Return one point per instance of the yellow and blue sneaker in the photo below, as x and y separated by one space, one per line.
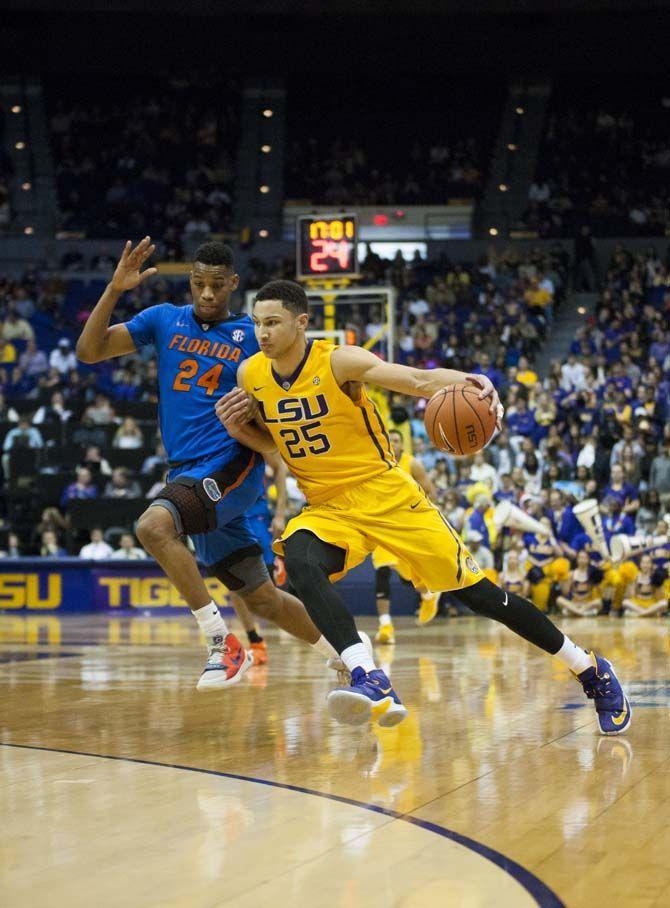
369 698
602 685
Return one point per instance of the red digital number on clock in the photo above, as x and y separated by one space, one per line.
329 249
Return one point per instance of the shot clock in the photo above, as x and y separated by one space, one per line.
327 246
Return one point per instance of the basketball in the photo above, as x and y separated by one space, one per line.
457 421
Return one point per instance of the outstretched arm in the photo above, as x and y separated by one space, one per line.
98 341
357 364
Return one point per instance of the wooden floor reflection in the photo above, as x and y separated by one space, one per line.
499 758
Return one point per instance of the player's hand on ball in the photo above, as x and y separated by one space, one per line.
128 274
235 409
487 389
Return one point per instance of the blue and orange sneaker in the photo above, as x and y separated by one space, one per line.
369 698
228 661
612 706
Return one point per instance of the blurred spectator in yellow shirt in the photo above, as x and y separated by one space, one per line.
539 298
525 374
16 328
7 351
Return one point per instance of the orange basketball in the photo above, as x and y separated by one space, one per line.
457 421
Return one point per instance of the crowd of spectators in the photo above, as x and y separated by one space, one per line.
598 426
72 434
363 154
605 166
120 157
336 172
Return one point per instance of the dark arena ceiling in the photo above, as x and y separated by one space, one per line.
318 8
364 39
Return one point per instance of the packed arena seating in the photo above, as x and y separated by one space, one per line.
444 157
603 162
120 155
597 426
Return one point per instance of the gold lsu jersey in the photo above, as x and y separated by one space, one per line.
330 439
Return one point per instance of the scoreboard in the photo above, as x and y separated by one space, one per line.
327 246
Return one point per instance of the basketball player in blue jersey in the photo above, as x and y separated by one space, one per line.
213 480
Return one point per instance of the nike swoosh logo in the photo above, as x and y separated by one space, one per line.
505 600
622 718
259 388
413 506
381 689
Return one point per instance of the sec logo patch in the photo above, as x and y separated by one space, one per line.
238 335
471 565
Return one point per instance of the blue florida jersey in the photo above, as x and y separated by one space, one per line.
197 364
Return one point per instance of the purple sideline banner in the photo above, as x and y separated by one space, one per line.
76 585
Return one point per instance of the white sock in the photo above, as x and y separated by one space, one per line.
576 659
357 656
211 623
325 648
384 619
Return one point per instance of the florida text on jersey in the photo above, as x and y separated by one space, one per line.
197 364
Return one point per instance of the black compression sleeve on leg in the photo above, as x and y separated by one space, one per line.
517 613
309 561
383 582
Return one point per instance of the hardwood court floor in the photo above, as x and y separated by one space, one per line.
120 786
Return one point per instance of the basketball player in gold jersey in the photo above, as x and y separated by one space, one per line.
383 560
307 399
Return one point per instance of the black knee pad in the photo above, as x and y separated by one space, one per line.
196 511
242 571
383 582
306 556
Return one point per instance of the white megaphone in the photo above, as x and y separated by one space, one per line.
506 514
624 547
588 514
